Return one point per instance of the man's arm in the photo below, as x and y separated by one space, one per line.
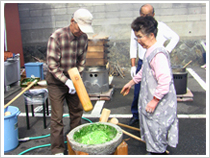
133 46
133 61
133 53
81 58
53 60
172 36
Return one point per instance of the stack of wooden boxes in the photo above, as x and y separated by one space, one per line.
97 52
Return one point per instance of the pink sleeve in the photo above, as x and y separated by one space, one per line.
161 71
138 76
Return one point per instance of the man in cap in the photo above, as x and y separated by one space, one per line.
66 48
164 33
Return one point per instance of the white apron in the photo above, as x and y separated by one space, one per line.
160 128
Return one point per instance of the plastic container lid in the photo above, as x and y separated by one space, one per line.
33 63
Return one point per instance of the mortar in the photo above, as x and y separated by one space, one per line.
84 138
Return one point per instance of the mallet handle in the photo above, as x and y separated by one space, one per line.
187 64
137 138
80 88
29 86
133 136
130 127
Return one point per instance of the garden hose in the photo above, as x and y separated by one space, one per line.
31 138
44 136
36 147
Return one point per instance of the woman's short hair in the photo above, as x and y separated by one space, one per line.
146 25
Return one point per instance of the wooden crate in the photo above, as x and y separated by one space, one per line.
97 52
95 62
95 49
101 55
97 42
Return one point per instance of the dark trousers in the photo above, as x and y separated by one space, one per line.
58 92
137 87
204 57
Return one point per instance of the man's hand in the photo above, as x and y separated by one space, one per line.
133 71
70 84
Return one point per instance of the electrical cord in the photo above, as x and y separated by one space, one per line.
44 136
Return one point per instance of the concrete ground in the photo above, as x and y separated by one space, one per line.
191 114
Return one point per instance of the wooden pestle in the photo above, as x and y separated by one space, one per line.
80 88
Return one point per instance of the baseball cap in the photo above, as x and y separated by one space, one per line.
84 20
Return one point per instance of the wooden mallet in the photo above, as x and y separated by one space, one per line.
11 101
115 121
80 88
104 115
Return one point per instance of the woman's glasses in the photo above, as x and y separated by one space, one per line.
139 38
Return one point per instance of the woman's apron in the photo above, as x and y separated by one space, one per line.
160 128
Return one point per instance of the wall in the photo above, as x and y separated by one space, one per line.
188 20
13 32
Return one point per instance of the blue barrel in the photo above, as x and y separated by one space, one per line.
11 129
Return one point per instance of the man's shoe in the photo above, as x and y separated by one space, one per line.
132 121
59 154
203 66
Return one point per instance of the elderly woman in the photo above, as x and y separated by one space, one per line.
157 104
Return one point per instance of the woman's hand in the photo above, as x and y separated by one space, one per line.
126 89
150 108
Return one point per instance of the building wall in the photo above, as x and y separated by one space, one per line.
13 32
188 20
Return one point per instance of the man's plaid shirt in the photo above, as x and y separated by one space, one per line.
65 51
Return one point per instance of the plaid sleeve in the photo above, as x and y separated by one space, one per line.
81 58
53 60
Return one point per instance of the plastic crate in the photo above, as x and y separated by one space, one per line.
34 68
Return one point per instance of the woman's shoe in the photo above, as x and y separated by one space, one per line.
151 153
148 153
